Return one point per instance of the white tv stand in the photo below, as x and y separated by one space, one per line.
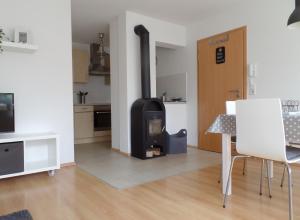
41 152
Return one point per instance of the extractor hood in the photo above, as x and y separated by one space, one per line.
99 58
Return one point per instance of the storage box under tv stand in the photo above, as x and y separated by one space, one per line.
41 152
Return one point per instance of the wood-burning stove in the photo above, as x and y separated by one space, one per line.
148 115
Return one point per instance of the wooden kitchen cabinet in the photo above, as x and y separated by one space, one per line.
80 66
84 131
84 122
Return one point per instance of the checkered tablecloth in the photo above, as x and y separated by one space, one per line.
226 124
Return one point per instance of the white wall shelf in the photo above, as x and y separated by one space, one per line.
18 47
41 152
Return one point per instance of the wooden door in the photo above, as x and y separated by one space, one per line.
222 72
80 66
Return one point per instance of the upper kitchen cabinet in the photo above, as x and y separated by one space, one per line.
80 66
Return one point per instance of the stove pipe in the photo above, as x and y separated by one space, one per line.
143 33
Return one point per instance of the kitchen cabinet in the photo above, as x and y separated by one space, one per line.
80 66
84 122
84 130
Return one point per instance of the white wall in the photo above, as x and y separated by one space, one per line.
161 32
167 59
170 77
118 60
114 71
176 117
42 81
270 44
174 85
129 71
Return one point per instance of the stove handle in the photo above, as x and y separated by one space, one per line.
102 112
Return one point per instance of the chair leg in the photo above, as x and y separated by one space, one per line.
289 171
229 176
283 174
244 168
228 180
269 179
261 176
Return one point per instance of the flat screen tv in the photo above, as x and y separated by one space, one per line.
7 114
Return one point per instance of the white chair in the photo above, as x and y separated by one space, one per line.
231 110
260 133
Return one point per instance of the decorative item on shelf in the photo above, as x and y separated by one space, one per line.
294 19
100 60
21 36
82 95
164 96
1 39
17 42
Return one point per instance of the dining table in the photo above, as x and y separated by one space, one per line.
225 124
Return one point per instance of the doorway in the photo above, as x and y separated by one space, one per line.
222 76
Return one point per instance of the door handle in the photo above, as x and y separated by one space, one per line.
236 92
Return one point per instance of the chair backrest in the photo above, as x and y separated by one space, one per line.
230 108
260 129
290 105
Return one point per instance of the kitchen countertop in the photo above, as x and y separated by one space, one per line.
171 102
93 104
107 103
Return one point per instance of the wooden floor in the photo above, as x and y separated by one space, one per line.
72 194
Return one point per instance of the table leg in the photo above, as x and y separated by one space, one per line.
226 161
270 166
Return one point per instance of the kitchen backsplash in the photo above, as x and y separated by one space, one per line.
98 91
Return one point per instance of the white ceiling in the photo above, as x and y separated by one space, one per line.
92 16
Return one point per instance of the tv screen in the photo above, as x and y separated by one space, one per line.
7 115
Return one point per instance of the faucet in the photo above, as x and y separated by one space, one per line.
164 96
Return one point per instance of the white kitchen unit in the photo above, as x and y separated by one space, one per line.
83 122
176 118
41 152
84 125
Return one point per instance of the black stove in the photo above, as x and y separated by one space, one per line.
148 115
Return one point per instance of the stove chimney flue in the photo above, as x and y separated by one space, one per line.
143 33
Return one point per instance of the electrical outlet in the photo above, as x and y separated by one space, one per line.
252 89
252 70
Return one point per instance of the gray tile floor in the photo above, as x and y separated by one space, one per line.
123 172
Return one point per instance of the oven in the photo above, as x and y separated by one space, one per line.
102 117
